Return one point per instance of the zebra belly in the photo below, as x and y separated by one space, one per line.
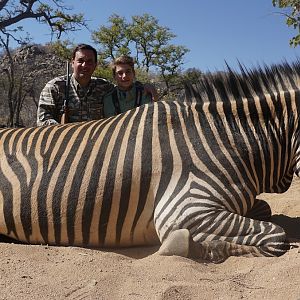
81 221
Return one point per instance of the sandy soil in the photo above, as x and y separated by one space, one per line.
42 272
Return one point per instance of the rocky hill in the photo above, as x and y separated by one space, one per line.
32 67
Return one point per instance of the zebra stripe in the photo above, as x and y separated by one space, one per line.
186 174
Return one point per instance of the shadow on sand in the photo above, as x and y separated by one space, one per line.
134 252
6 239
291 226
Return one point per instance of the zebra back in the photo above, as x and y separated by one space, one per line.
232 85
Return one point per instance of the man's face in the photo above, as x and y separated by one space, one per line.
84 65
124 76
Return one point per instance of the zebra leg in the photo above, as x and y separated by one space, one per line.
180 243
261 210
177 243
226 234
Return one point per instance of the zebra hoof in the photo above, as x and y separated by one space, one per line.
177 243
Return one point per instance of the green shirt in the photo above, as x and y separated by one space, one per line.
127 100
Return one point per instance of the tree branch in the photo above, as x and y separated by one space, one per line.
3 3
55 16
18 18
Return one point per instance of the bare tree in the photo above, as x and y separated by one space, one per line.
53 13
13 85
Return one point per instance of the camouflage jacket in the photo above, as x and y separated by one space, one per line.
84 104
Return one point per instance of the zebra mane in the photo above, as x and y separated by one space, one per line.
247 83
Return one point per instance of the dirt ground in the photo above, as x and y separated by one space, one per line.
43 272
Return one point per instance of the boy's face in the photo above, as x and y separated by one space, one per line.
124 77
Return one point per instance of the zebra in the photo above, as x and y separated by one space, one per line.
182 174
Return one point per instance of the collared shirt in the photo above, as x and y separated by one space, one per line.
84 104
126 100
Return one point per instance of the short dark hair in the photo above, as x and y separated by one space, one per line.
122 60
84 47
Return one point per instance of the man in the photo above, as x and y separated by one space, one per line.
85 92
129 93
85 100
